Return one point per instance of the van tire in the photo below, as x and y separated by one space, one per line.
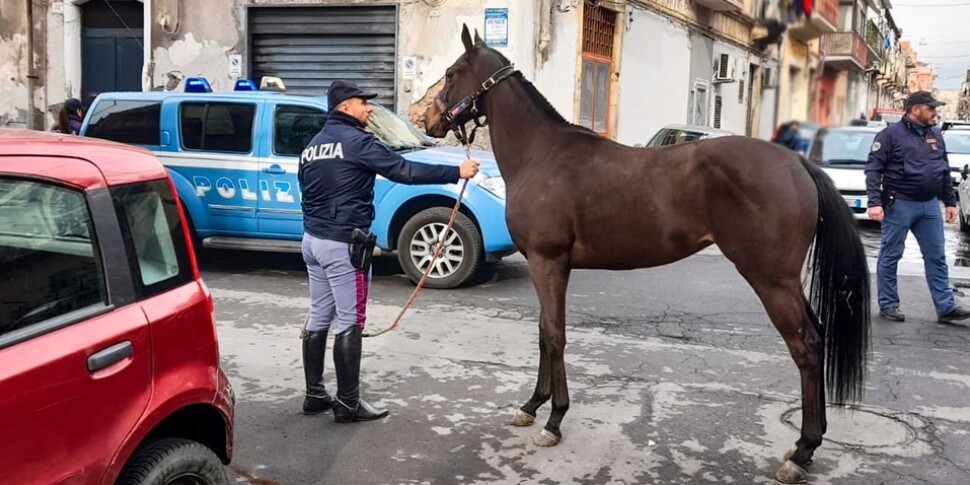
168 460
469 239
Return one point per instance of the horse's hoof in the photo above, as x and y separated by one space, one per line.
791 473
546 439
522 419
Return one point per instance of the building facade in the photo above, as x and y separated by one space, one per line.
623 68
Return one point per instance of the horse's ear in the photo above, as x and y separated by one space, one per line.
466 38
478 39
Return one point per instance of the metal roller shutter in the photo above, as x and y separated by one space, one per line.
310 47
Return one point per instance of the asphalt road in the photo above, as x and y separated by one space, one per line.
675 376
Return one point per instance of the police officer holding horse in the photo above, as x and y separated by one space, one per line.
337 174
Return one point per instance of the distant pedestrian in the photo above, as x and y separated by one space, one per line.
69 117
789 136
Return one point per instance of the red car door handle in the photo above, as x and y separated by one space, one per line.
109 356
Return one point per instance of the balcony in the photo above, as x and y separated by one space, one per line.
823 21
845 51
722 5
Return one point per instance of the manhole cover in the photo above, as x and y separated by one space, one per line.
853 427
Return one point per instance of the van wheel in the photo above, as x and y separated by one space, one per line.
460 259
174 461
964 227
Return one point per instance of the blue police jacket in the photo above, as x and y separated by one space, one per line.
909 160
337 173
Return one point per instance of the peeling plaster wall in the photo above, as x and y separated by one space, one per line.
207 33
13 64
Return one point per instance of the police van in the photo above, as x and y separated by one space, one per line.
233 157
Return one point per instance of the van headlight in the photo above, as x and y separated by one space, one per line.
495 185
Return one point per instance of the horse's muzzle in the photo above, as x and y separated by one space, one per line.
434 119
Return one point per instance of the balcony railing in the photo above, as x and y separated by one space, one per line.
845 50
722 5
823 21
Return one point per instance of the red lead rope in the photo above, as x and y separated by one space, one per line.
434 258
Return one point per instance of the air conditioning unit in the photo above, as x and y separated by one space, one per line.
724 69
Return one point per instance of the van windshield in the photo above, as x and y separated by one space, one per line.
394 131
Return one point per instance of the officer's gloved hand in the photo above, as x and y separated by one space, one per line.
469 169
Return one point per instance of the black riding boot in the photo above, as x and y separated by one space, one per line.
314 350
346 358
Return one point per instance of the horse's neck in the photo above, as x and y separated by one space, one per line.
515 119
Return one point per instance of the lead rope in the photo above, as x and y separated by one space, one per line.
437 251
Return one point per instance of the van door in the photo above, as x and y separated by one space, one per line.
291 127
217 155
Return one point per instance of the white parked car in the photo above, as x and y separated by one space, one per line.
842 153
963 203
957 151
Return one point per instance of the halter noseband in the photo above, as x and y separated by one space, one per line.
470 102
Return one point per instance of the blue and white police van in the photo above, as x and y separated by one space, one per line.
233 157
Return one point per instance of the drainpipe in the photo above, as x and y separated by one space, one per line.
148 68
72 48
30 65
545 21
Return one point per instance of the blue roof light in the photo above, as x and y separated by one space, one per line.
245 85
197 85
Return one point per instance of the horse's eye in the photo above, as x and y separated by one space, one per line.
449 75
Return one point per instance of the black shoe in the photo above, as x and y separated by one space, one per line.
893 314
346 358
314 350
958 313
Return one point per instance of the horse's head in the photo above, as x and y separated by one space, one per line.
474 73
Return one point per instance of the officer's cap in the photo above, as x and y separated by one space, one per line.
922 97
341 91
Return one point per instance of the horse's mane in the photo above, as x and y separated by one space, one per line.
546 107
543 104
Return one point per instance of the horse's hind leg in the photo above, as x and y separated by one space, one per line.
791 315
550 277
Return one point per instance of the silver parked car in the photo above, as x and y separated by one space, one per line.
676 134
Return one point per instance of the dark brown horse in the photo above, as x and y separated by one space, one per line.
578 200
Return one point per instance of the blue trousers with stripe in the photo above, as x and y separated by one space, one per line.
338 290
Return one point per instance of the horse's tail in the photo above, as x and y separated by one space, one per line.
839 291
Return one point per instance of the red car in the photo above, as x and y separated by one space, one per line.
109 362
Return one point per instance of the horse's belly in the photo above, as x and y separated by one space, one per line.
647 255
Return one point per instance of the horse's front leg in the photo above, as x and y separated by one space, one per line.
550 277
526 415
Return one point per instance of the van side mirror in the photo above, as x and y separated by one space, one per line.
965 172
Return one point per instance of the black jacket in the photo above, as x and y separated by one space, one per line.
911 161
337 173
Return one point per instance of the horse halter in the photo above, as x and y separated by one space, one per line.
470 102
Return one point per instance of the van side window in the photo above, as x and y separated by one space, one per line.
217 127
132 122
153 235
294 127
49 256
